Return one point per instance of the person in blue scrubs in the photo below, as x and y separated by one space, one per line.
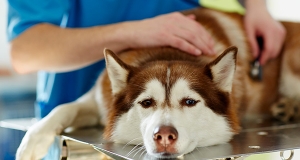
63 40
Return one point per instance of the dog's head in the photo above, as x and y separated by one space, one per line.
171 107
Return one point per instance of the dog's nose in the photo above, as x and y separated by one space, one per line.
165 136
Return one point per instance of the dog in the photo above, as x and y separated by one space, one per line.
172 102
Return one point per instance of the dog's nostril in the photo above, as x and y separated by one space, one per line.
172 137
165 134
157 137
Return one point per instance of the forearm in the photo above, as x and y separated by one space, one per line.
51 48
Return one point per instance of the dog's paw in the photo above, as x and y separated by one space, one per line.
35 143
286 109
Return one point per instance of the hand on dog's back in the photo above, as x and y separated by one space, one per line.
174 29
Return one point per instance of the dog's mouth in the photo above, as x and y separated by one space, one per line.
166 155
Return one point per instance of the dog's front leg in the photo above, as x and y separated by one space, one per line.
40 136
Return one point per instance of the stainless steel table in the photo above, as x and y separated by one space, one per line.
258 136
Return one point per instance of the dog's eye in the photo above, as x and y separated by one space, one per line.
189 102
147 103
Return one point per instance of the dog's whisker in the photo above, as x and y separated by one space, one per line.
144 152
134 149
131 141
140 149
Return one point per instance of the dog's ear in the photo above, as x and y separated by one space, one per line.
222 69
117 71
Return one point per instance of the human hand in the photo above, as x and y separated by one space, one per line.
174 29
259 23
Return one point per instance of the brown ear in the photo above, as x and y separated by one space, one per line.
117 71
222 69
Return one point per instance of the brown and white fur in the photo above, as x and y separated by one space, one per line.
172 102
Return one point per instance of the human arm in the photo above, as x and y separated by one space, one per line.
52 48
49 47
259 23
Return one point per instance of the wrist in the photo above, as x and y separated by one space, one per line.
256 8
255 4
113 36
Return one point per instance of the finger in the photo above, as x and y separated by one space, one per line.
252 41
277 44
206 39
206 42
191 16
273 43
264 57
183 45
271 50
267 51
192 39
276 50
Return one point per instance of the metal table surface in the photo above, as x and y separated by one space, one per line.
258 136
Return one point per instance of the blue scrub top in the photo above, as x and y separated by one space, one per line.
58 88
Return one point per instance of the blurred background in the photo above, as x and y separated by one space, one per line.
17 92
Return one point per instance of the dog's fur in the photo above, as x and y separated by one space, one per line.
172 102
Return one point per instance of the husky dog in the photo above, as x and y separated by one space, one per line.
172 102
